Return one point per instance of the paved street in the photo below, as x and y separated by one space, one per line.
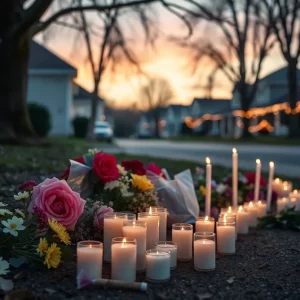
286 158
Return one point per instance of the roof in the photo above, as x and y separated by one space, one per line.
213 106
278 75
82 94
41 59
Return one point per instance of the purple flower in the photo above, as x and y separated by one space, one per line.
27 186
99 216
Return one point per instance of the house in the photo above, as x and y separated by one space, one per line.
82 103
50 82
174 118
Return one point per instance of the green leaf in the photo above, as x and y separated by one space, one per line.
17 262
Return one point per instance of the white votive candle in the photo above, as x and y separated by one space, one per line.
172 248
182 235
261 208
89 258
123 259
157 265
230 217
113 227
225 237
205 224
137 230
282 203
204 251
152 220
295 200
163 214
252 210
242 220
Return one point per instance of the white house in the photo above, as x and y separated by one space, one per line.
174 118
50 83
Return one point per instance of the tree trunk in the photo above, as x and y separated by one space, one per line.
245 105
246 133
15 125
94 106
292 82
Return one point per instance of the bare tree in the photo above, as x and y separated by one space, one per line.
285 18
244 42
155 96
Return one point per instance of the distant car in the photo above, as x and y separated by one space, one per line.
103 131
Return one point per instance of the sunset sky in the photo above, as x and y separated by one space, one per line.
167 60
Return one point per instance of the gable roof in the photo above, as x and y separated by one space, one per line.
278 75
82 94
41 60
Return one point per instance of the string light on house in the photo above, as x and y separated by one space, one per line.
263 125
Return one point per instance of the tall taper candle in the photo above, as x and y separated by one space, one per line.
269 193
257 180
234 178
208 188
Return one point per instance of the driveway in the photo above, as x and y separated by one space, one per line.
286 158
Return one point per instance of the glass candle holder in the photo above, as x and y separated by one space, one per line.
169 246
204 251
226 237
242 221
158 265
251 208
152 220
123 259
137 230
282 203
113 227
261 207
163 214
205 224
89 258
182 235
230 218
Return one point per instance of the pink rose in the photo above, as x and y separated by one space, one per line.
56 200
99 216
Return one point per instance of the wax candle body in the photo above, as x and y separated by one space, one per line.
157 266
270 187
226 239
184 241
208 188
295 200
257 180
234 178
140 234
281 204
242 225
261 209
173 253
112 228
252 216
123 262
204 255
90 260
205 226
152 229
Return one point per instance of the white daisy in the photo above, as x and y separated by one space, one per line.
111 185
2 204
122 170
21 196
13 225
4 265
19 212
4 211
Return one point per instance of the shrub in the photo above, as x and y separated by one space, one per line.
40 118
80 125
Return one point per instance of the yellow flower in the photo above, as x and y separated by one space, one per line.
141 182
202 190
60 231
42 247
53 256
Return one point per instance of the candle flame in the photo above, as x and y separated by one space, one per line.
206 218
150 211
271 164
258 161
90 246
207 160
284 199
259 202
234 150
241 208
182 228
285 188
229 210
295 192
225 218
251 203
277 180
124 243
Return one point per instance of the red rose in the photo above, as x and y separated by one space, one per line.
135 166
251 179
152 167
105 167
66 173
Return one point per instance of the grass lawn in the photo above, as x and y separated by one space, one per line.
262 140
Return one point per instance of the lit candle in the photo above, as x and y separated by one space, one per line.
204 251
242 226
286 189
208 188
225 237
137 230
172 248
269 193
113 227
205 224
234 178
89 258
252 210
257 180
261 209
123 259
152 220
182 235
158 265
295 200
163 214
230 218
282 203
